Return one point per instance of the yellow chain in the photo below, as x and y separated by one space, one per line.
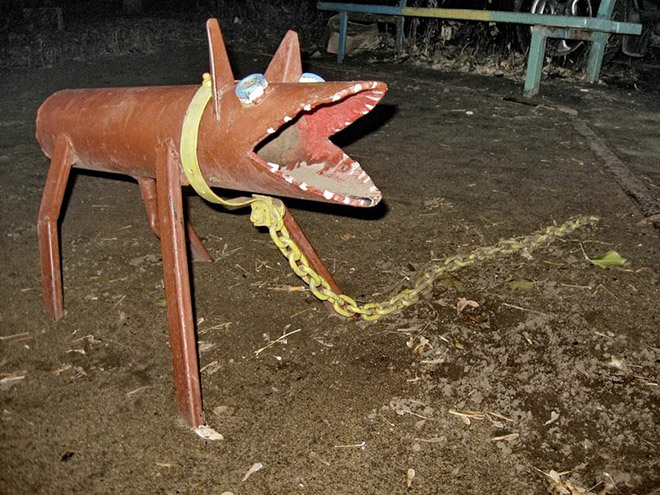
269 212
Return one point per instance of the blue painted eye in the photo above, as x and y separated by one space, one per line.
310 77
251 88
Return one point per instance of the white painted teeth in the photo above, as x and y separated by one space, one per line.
362 185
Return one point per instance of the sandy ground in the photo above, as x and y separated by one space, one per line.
555 361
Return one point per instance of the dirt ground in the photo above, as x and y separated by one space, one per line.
558 366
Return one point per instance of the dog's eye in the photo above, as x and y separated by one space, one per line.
251 89
310 77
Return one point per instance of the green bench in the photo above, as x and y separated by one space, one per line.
595 30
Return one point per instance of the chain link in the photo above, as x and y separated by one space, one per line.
269 212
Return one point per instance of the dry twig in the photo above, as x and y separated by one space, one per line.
281 338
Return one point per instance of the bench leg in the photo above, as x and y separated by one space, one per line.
400 22
606 9
343 31
400 37
596 54
599 42
535 62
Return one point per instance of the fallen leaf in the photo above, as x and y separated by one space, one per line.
611 258
554 416
409 477
521 284
559 486
464 303
208 433
255 467
554 476
619 364
223 411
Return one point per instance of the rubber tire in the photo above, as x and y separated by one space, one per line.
578 58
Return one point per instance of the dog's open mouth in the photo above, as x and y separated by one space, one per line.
301 153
